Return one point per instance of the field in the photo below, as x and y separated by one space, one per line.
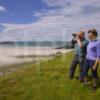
47 80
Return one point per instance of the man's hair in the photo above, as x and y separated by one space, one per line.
93 31
82 32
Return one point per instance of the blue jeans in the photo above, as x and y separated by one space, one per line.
76 60
88 64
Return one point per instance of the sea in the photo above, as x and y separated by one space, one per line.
49 44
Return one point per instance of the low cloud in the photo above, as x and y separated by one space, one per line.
58 22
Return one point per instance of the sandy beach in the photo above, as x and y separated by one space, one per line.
14 55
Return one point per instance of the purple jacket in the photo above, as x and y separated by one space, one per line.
93 50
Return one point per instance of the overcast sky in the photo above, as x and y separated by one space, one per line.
28 20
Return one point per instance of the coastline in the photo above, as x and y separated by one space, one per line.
17 55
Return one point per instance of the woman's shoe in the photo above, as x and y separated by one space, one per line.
93 89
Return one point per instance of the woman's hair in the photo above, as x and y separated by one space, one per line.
93 31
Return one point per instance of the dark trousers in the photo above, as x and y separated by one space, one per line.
76 60
89 64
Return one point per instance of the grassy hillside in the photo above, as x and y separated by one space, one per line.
45 81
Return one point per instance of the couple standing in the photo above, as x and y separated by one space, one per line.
87 55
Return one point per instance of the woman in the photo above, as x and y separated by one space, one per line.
92 57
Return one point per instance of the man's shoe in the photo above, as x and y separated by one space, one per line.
85 83
71 77
81 81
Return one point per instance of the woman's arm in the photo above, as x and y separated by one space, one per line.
98 56
96 63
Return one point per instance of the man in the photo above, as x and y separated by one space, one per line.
79 54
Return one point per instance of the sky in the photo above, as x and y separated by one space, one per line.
44 20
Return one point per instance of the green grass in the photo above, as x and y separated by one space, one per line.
46 80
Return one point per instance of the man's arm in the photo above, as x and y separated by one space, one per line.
82 44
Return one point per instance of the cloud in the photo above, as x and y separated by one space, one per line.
2 9
63 18
57 3
64 3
